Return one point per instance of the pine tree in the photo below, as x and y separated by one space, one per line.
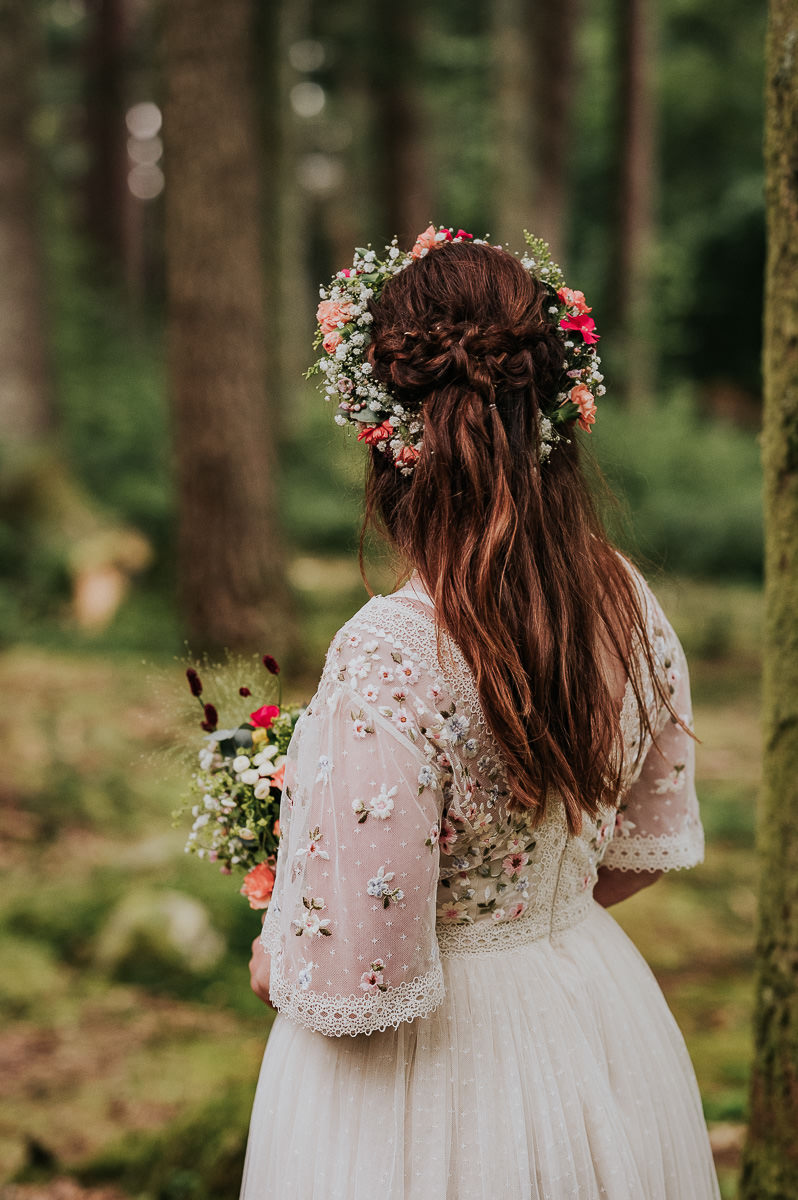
229 559
770 1170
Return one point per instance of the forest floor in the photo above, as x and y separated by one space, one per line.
129 1060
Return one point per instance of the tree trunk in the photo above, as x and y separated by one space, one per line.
105 186
289 257
229 562
553 62
628 308
407 199
513 169
770 1166
25 379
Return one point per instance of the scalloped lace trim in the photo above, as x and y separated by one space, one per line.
339 1016
652 852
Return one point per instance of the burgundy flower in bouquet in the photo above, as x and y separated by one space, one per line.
235 794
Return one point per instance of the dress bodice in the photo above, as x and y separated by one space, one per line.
495 865
399 843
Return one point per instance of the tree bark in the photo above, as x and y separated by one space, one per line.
229 560
105 186
553 73
406 193
513 156
631 244
26 413
770 1166
534 70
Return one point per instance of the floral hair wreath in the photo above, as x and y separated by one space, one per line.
396 429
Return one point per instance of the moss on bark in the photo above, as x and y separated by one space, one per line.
770 1166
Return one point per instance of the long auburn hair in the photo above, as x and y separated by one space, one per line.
513 553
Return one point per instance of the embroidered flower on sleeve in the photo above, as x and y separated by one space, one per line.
360 667
434 836
305 975
623 826
325 768
313 848
427 779
310 922
382 803
371 693
407 671
674 782
455 729
380 806
402 719
373 980
360 725
380 887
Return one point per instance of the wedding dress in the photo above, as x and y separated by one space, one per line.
458 1018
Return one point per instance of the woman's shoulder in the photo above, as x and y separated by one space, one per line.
386 636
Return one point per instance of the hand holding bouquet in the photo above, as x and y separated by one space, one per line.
234 798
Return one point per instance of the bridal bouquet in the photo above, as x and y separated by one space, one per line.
234 796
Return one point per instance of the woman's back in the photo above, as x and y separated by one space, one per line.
467 770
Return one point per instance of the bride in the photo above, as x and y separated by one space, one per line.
496 752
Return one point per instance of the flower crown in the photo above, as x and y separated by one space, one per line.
395 428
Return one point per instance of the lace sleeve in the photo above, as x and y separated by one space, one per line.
351 927
658 826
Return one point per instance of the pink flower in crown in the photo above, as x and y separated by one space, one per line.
332 341
424 242
375 433
582 397
462 235
408 454
581 324
574 300
332 314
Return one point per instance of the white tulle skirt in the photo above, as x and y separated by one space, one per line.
553 1070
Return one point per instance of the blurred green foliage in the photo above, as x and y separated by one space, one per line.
690 477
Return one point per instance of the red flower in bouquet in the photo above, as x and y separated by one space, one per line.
262 717
258 885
